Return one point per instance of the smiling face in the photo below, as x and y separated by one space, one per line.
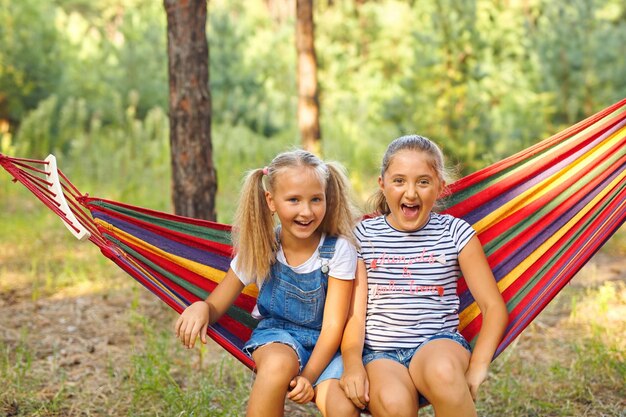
411 187
299 200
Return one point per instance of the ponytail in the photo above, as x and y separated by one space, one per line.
378 203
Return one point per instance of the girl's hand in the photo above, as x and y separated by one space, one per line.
301 390
475 376
191 323
355 385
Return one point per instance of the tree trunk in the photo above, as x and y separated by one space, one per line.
308 104
194 180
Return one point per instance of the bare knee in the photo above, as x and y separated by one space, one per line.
332 401
443 378
392 391
339 408
387 403
276 364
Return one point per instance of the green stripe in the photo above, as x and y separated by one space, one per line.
237 313
513 231
518 168
574 240
214 235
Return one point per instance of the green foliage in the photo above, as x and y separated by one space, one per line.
30 68
114 49
579 45
87 80
484 79
244 71
245 150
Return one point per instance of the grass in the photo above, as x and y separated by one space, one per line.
81 339
162 380
568 362
575 368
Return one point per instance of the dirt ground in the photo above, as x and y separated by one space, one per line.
87 336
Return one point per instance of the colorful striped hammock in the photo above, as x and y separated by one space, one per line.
541 214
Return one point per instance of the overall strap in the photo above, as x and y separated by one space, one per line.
327 250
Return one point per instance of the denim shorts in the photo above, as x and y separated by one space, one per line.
301 341
404 355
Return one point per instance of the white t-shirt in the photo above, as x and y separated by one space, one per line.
341 266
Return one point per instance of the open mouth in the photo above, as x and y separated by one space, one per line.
410 210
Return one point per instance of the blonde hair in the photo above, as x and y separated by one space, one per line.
254 237
412 143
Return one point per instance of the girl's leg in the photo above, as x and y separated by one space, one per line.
438 371
276 365
392 392
332 401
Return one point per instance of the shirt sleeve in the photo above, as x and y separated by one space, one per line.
343 263
461 232
234 267
358 233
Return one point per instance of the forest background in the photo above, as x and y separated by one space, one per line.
87 81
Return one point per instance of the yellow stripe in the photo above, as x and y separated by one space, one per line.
548 184
472 311
529 161
156 282
210 273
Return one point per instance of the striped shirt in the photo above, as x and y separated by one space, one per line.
412 279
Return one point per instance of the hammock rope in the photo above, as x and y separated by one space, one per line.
540 214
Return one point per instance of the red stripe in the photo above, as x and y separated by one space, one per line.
491 170
540 297
532 231
112 255
234 326
167 216
537 295
185 239
472 329
528 209
244 301
537 167
233 350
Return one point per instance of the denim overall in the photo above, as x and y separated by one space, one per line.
292 306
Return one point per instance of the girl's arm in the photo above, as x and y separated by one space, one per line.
199 315
482 285
335 313
354 379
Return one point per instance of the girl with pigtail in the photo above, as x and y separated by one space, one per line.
304 268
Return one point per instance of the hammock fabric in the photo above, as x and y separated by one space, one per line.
540 215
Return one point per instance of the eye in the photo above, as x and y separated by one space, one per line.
316 199
398 181
292 200
424 181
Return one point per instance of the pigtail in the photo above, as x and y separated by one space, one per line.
341 214
253 235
